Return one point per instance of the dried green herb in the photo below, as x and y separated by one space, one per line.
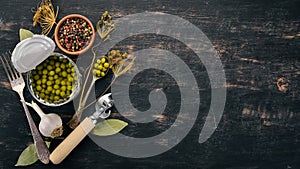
29 156
118 62
105 25
109 127
24 34
45 16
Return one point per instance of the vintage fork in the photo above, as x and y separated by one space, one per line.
17 83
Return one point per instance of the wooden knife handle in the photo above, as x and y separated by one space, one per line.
77 135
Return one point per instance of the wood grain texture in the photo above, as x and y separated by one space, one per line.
258 43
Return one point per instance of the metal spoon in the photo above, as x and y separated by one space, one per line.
50 124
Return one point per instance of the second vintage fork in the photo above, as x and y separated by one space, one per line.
17 83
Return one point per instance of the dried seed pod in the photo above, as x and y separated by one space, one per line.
45 16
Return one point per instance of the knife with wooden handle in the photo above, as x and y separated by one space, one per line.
81 131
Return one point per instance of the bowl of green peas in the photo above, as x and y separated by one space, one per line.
55 81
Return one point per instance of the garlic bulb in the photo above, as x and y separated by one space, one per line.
50 124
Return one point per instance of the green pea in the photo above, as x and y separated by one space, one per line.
49 89
63 66
69 87
38 82
36 77
56 98
38 88
51 73
54 57
64 74
106 65
42 95
70 79
62 94
63 88
56 86
57 92
57 64
94 71
68 92
52 62
98 72
45 72
57 81
63 83
103 60
44 81
49 67
40 67
50 78
57 70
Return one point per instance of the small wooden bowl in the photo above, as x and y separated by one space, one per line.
87 47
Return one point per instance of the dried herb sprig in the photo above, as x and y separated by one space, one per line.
119 64
118 67
45 16
105 25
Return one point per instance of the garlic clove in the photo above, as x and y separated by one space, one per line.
51 123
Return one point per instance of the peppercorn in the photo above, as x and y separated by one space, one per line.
75 33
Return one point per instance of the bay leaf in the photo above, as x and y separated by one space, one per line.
29 156
48 143
109 127
24 34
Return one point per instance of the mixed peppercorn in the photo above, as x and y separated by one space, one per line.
74 34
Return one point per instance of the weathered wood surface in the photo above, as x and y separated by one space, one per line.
258 43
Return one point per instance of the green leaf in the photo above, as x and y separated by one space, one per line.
24 34
109 127
48 143
29 156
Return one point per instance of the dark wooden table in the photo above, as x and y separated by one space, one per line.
258 43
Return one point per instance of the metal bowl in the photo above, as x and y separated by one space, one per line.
74 93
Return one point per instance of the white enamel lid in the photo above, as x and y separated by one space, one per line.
31 52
